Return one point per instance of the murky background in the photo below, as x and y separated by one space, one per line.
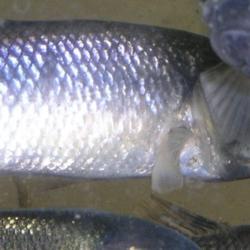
227 201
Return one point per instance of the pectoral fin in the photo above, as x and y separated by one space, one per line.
166 174
227 94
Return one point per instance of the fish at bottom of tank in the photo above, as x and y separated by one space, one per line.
84 230
206 233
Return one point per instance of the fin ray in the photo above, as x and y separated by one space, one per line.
226 92
166 175
180 219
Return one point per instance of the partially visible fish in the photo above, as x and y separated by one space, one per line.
207 234
229 24
225 94
96 99
84 229
226 87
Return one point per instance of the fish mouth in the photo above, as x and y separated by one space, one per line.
233 47
229 31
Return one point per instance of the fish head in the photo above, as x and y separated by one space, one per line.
229 24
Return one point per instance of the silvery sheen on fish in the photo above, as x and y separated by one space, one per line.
96 99
84 229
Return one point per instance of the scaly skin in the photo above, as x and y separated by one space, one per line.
91 99
84 229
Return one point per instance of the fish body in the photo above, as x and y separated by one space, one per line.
84 229
92 99
229 25
206 233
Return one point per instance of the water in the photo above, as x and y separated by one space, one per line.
226 201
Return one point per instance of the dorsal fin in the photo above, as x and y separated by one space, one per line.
181 220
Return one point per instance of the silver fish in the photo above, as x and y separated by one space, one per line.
206 233
84 229
93 99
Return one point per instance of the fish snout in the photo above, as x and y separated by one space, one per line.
229 25
233 47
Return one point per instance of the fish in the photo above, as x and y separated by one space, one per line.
95 99
206 233
229 24
84 229
225 87
223 97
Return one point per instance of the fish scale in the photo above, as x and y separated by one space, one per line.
84 229
91 99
